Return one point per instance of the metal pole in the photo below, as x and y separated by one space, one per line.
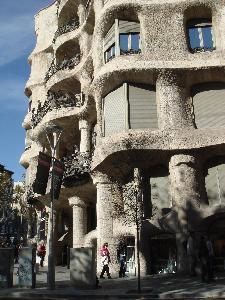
55 132
51 258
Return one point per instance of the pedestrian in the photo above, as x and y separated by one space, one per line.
204 256
105 260
191 254
17 248
64 255
121 255
41 251
210 258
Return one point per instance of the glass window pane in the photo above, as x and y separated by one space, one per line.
108 54
194 38
207 37
113 51
135 41
124 42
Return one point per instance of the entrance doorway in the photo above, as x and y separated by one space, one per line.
163 253
216 233
130 255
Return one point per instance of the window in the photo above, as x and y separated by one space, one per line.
214 181
200 35
123 38
129 106
129 43
110 53
208 100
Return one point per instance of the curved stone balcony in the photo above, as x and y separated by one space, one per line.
61 4
151 147
122 67
56 100
77 168
70 26
25 157
27 122
66 64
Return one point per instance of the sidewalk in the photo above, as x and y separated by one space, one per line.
161 286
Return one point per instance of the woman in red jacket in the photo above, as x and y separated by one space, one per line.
41 251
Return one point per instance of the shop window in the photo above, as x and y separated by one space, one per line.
214 181
200 35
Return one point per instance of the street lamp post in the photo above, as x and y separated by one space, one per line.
53 134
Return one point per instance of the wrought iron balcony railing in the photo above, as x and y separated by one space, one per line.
56 100
65 64
130 51
202 49
70 26
76 167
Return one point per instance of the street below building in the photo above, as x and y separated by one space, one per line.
161 286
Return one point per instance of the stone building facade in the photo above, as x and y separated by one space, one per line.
134 85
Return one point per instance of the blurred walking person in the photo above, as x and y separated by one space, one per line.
105 260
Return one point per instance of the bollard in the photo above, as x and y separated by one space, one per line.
27 261
83 268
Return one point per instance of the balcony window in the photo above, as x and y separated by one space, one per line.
200 35
129 43
110 53
208 100
130 106
123 38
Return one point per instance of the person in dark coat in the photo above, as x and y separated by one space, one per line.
205 256
121 256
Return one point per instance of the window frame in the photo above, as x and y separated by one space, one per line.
116 41
130 50
199 24
110 50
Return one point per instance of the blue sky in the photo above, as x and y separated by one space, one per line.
17 40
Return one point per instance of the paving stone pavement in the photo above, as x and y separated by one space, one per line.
163 286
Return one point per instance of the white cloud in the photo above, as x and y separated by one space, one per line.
12 95
16 38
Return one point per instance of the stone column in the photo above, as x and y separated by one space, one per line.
99 125
107 197
79 220
186 197
174 109
85 136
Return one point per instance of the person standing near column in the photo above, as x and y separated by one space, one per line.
191 254
41 251
105 260
210 258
